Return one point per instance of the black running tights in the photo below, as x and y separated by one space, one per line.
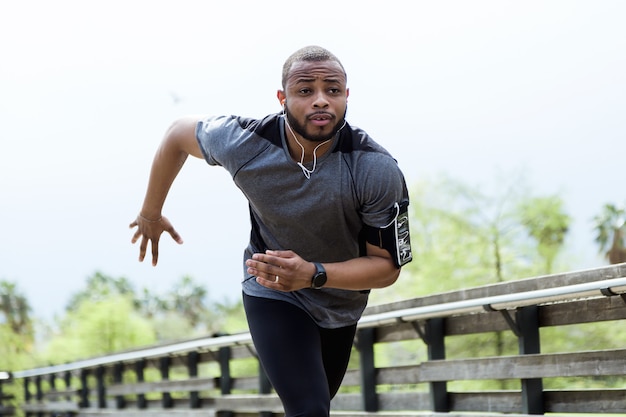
304 362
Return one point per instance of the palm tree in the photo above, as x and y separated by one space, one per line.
610 226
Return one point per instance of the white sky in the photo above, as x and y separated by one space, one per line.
473 89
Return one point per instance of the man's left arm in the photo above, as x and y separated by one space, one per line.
374 270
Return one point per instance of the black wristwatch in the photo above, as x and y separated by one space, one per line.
319 278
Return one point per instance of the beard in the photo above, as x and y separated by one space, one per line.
300 128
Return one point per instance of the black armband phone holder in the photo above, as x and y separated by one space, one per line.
395 237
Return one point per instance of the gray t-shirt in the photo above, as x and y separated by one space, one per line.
357 183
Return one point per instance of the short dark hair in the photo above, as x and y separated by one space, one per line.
310 53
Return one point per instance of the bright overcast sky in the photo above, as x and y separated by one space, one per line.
473 89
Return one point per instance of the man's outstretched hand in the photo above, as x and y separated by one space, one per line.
150 231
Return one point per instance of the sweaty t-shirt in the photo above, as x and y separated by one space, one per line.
356 183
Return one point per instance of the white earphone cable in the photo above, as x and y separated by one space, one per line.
307 172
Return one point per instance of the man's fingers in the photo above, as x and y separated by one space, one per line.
135 237
150 233
155 252
142 248
175 235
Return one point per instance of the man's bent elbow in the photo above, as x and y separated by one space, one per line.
182 136
391 278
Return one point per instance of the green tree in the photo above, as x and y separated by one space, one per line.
188 298
150 305
464 236
610 225
16 337
547 223
99 327
15 309
228 317
100 287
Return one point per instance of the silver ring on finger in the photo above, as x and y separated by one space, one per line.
277 278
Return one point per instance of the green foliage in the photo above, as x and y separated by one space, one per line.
183 312
15 310
97 328
189 299
547 223
100 287
14 349
229 317
16 334
464 237
610 226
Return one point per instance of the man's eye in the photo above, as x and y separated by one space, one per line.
305 90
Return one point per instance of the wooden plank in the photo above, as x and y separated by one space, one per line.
486 401
249 403
595 363
54 394
129 412
423 413
583 311
558 314
402 401
194 384
586 401
387 401
7 411
50 407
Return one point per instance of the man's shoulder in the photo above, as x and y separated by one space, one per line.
241 127
356 142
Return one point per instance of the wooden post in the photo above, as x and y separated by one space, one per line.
84 389
67 379
27 394
118 378
140 366
435 335
38 392
164 367
192 369
223 355
100 387
365 345
52 379
529 343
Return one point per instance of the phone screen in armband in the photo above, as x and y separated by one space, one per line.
403 236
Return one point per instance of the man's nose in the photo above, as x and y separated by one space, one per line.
320 100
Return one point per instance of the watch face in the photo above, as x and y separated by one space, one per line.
319 280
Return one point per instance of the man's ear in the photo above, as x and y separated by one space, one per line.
280 94
347 93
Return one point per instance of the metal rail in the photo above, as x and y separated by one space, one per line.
609 287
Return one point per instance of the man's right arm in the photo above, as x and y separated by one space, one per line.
179 142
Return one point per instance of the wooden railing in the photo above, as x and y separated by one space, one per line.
221 376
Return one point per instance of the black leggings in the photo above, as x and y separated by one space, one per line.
304 362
